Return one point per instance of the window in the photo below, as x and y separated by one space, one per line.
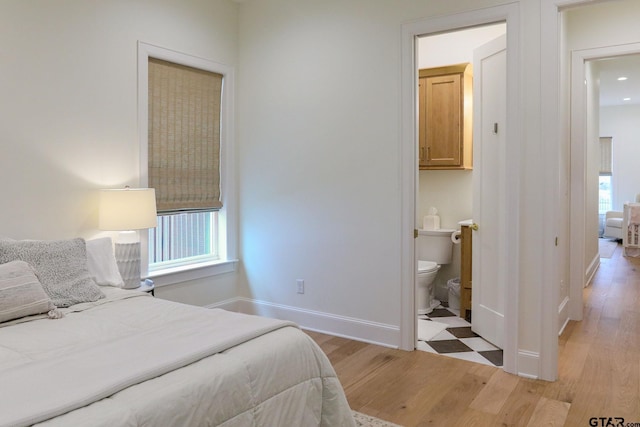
186 238
184 125
604 194
604 187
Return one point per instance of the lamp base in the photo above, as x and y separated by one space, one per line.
128 260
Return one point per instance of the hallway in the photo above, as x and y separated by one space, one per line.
600 357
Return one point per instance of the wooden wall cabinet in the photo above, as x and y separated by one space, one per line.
445 117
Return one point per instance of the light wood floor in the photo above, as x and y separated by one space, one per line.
599 371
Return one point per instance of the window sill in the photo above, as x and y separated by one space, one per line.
171 276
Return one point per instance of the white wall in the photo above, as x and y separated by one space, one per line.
455 47
450 191
605 23
621 123
318 131
319 157
68 109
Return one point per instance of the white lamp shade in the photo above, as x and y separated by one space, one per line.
127 209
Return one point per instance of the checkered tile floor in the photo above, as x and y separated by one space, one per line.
457 340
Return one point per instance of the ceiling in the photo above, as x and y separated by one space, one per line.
612 91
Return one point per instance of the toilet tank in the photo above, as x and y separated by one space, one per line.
435 245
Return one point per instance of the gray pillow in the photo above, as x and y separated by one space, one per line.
21 293
61 266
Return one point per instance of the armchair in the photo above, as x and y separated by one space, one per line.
613 222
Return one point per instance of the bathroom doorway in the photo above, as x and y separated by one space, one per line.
411 31
454 193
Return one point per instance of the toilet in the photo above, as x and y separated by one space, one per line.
434 248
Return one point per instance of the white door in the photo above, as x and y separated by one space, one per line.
489 185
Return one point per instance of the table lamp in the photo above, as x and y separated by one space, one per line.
128 210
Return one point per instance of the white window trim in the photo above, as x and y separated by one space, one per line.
184 273
227 216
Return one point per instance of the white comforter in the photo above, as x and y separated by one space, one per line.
141 361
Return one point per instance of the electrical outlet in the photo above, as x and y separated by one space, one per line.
300 284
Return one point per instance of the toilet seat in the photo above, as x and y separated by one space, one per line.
427 266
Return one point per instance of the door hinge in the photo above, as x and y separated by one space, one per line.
556 241
415 233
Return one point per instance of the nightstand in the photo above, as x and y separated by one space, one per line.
146 286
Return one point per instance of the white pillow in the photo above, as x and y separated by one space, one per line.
21 293
102 263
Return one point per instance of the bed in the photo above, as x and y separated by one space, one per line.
126 358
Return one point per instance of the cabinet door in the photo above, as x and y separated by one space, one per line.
444 115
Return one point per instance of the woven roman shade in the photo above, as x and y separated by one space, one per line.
605 155
184 137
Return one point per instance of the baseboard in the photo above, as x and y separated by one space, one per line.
563 314
349 327
341 326
528 364
591 270
229 305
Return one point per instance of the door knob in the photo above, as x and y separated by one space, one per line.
474 226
